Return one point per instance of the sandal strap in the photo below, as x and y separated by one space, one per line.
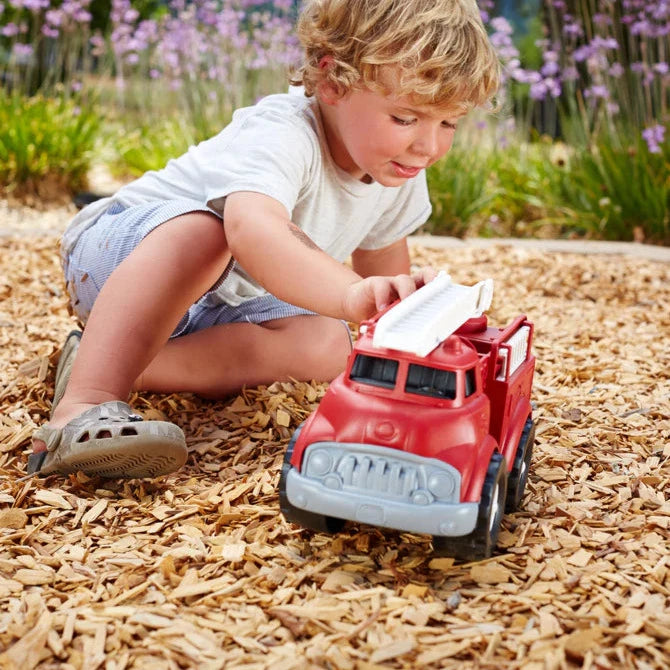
114 410
64 368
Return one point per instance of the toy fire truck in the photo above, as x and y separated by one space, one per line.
428 430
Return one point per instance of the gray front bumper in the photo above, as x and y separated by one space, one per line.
435 518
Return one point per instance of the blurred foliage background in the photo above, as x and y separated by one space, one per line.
578 150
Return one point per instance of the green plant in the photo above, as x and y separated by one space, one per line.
45 143
526 203
458 186
619 193
151 145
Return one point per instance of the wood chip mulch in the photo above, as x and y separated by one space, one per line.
200 570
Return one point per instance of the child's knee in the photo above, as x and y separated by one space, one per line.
330 348
199 232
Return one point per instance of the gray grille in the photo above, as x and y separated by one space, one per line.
381 472
377 474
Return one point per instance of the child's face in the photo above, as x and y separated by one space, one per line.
385 137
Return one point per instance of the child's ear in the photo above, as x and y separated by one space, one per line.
328 91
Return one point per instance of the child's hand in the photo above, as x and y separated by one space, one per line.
368 296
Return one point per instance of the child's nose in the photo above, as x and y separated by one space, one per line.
426 144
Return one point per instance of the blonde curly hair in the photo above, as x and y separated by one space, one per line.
439 47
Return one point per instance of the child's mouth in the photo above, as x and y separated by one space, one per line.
405 171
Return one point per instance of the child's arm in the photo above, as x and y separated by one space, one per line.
390 260
284 260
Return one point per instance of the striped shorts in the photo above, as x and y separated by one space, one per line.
105 244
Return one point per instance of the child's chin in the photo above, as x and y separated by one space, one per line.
390 180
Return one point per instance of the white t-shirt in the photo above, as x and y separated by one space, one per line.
278 147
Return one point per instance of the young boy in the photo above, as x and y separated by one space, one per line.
225 268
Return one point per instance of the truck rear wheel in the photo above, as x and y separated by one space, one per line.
480 543
518 477
318 522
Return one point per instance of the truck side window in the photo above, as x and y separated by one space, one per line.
423 380
374 370
470 382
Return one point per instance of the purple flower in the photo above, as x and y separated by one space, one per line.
10 30
54 17
550 69
642 27
603 43
22 51
553 87
662 11
661 68
583 53
502 25
597 91
50 32
654 136
616 70
538 90
573 30
35 5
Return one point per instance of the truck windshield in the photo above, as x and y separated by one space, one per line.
424 380
374 370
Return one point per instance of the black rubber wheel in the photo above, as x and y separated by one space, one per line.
516 483
318 522
479 544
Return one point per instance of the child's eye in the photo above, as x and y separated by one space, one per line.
449 124
402 122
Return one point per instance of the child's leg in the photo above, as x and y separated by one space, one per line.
139 306
217 361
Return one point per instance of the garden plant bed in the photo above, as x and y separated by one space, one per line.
199 569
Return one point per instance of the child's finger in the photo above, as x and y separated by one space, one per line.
423 276
383 293
404 285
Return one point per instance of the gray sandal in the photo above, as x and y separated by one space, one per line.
108 440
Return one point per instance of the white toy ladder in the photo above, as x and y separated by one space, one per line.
428 316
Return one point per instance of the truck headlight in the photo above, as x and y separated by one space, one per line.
319 463
440 485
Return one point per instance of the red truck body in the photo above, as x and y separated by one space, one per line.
456 407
